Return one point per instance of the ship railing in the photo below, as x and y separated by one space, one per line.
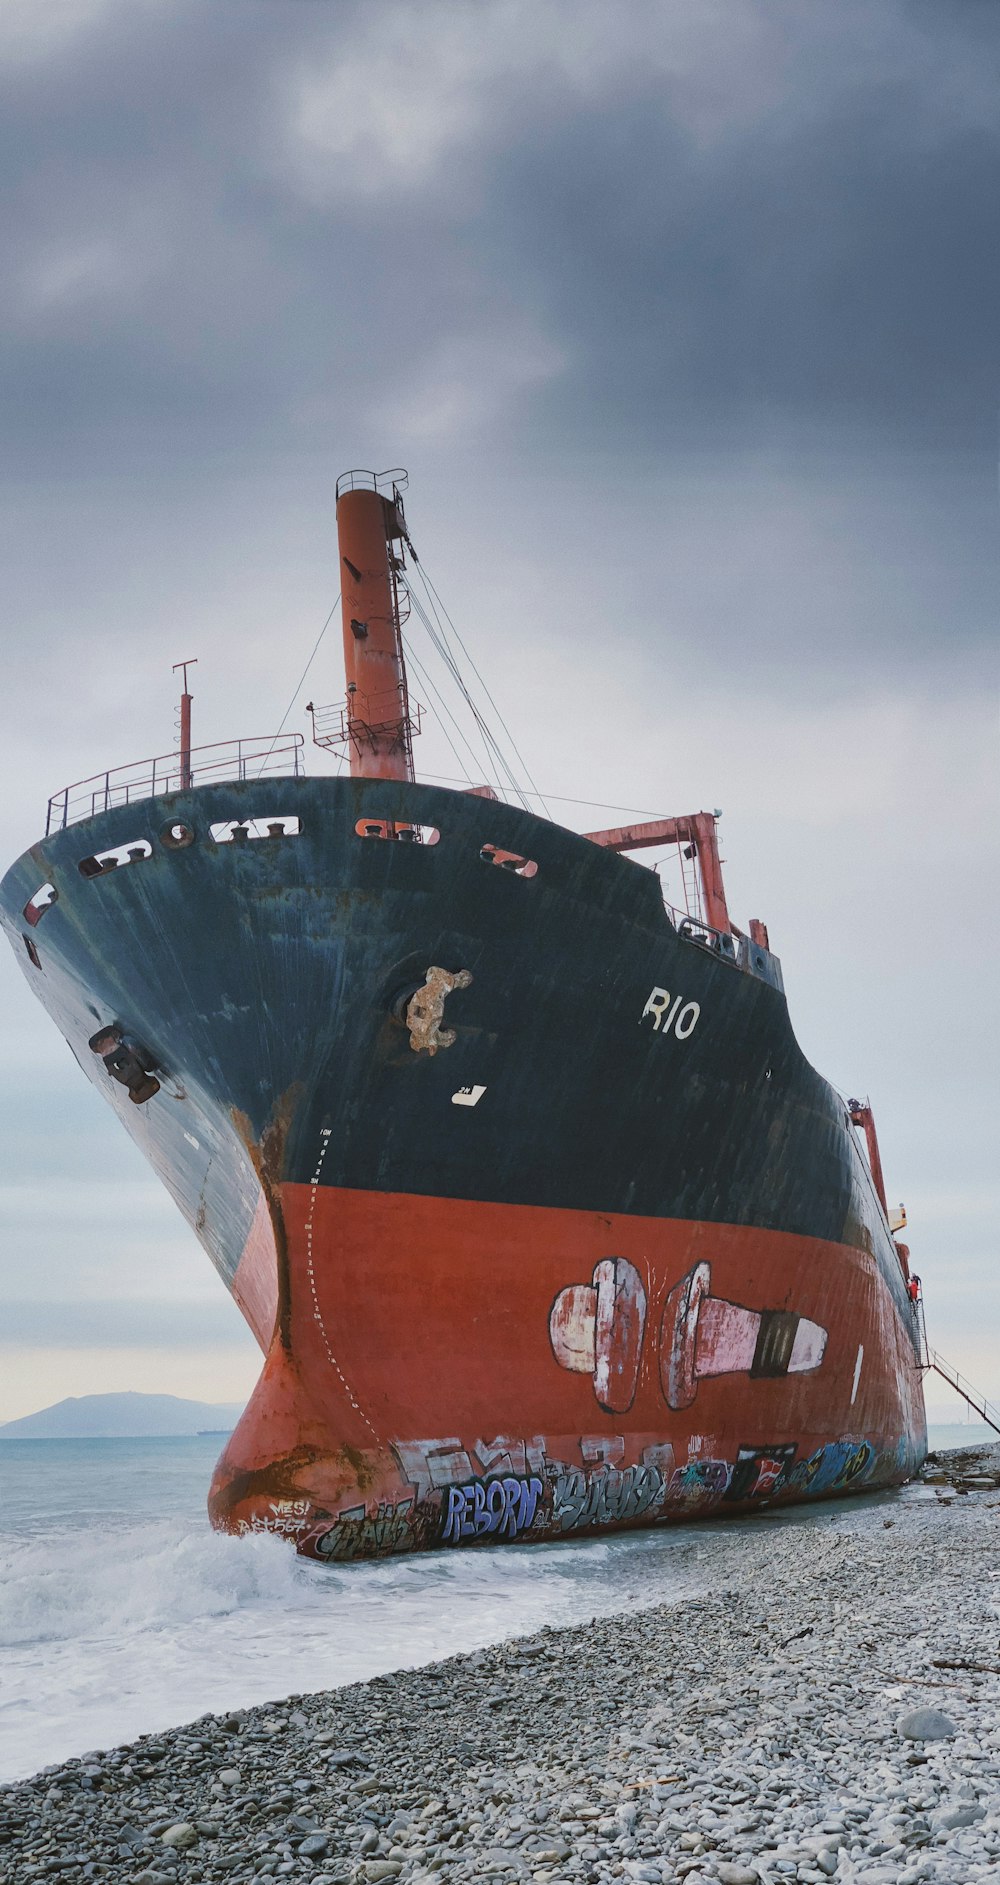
365 718
388 483
693 929
276 755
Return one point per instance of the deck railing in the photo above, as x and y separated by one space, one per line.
693 929
274 754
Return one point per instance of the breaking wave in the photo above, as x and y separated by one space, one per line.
112 1630
122 1613
145 1577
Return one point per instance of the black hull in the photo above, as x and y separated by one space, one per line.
267 979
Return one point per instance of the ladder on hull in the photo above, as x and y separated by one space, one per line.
970 1395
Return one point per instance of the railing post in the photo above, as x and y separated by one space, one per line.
234 759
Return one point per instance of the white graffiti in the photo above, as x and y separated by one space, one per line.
281 1523
434 1465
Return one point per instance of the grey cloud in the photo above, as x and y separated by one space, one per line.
839 273
826 256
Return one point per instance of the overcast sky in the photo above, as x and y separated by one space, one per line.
684 318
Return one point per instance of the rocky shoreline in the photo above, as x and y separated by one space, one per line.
830 1708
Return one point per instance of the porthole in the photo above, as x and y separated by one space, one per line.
508 860
37 905
177 836
241 831
116 859
397 833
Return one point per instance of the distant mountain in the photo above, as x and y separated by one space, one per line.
124 1417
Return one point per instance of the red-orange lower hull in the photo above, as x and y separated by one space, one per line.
446 1372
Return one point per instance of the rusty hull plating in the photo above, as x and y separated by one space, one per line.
376 725
543 1222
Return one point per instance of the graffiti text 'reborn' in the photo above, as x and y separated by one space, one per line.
490 1508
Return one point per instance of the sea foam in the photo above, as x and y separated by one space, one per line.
88 1584
110 1631
122 1613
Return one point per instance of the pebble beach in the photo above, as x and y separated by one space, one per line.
829 1708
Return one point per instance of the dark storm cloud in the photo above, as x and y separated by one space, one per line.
728 272
684 313
150 287
814 251
835 276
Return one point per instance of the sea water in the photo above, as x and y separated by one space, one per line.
121 1612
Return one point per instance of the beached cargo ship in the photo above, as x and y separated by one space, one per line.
542 1220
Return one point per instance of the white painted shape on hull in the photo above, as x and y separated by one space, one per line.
808 1347
857 1373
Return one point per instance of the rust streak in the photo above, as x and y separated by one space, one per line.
281 1477
268 1159
278 1478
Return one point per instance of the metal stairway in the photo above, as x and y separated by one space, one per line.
970 1395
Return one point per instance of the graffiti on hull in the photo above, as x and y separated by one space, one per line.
505 1490
599 1328
490 1508
760 1471
610 1495
432 1466
288 1518
838 1466
699 1482
508 1488
456 1491
362 1534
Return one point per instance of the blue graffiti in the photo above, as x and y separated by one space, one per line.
485 1507
699 1480
839 1463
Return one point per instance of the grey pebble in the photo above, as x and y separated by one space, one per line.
926 1724
952 1817
180 1835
